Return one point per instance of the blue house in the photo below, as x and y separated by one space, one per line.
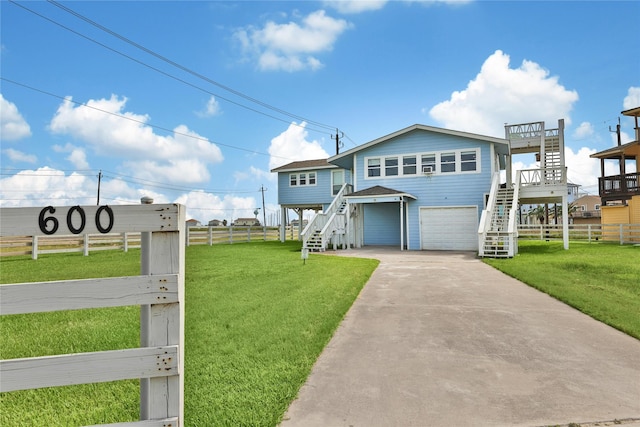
420 188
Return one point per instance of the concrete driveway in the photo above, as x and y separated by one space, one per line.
441 339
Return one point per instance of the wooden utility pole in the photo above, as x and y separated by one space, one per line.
99 179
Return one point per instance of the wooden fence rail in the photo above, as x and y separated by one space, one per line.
87 243
622 233
159 361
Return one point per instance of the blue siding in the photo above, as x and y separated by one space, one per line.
382 224
438 190
309 194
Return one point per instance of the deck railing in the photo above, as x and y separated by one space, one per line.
625 185
546 176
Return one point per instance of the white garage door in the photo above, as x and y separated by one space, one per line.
449 228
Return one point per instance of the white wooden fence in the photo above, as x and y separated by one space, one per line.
86 243
621 233
159 361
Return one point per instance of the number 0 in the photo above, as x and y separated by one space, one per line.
99 226
83 220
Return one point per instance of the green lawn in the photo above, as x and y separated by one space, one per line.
599 279
256 320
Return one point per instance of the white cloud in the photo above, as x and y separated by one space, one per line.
292 46
632 100
77 155
183 156
356 6
211 109
46 186
585 130
500 94
12 125
292 145
19 156
581 169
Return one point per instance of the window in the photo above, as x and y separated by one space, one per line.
373 167
391 166
447 162
302 179
409 165
583 208
597 207
429 162
337 180
468 161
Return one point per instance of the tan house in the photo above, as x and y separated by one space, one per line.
620 193
246 222
587 210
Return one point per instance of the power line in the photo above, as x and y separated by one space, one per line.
181 67
173 131
186 69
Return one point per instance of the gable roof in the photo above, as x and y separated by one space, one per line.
304 165
345 159
629 149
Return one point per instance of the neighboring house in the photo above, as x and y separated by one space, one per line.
587 210
215 223
425 188
620 193
193 223
246 222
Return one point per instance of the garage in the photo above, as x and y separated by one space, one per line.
451 228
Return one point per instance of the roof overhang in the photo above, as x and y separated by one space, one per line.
378 194
633 112
630 149
303 165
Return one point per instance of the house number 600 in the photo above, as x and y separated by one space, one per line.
50 224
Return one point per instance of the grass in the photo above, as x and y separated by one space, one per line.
256 321
599 279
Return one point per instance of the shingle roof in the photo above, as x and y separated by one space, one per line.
304 164
378 191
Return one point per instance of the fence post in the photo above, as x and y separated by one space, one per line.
125 243
145 312
85 250
166 326
186 232
621 235
230 235
210 238
34 247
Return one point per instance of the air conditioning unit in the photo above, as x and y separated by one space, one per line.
427 170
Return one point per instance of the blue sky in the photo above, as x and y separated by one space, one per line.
196 101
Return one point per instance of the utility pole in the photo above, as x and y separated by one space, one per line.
339 143
617 131
264 214
99 179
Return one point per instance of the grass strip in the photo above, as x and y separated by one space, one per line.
599 279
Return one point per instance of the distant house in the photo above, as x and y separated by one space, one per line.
246 222
193 223
215 223
587 210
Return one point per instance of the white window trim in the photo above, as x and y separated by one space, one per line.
437 171
297 175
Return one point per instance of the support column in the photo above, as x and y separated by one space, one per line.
283 225
401 224
565 221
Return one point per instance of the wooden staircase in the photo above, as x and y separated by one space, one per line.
498 237
327 225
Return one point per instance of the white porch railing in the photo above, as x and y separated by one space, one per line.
513 223
547 176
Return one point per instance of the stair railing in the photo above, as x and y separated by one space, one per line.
513 220
321 219
485 218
